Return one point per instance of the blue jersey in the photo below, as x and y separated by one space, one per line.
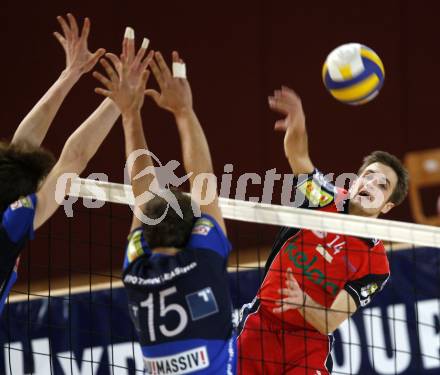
180 304
17 226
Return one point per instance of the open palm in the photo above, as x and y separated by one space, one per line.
126 77
78 57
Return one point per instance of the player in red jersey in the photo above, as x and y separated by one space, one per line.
315 280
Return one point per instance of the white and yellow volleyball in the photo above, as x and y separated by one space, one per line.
353 73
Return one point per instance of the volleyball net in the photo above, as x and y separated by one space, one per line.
76 321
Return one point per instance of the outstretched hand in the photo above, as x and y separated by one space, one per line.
79 59
288 103
175 93
294 295
127 76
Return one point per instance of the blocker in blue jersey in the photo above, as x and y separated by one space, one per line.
28 173
180 304
175 263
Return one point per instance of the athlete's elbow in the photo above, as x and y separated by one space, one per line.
300 165
326 328
74 157
323 330
330 330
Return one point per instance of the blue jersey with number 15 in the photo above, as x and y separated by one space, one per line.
180 304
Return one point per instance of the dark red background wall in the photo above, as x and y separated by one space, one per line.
237 53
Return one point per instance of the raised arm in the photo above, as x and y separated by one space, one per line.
288 103
77 152
125 85
79 60
176 97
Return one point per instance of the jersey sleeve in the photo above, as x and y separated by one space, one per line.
136 247
313 190
18 219
207 234
371 278
7 286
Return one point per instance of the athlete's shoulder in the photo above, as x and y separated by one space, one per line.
371 248
207 234
283 235
22 205
136 247
379 256
18 219
378 244
375 247
373 272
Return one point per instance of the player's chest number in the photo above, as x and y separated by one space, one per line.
163 311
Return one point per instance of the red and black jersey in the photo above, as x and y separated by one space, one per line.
322 263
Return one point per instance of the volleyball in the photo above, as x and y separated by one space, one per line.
353 73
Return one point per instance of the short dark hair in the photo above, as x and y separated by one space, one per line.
172 231
22 167
401 189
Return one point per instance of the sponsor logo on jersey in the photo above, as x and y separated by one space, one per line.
301 260
369 290
161 279
23 202
180 363
202 226
134 248
201 229
316 195
202 303
203 221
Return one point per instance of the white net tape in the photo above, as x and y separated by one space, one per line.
388 230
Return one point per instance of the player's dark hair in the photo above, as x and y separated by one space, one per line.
22 167
401 189
172 231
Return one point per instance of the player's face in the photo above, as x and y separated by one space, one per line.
372 190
